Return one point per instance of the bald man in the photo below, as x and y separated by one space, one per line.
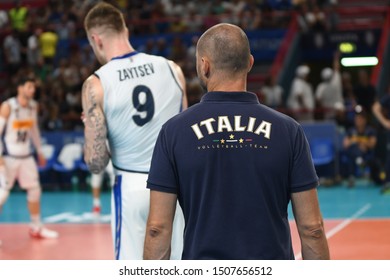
127 101
234 165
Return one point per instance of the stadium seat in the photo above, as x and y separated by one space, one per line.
49 152
68 158
67 165
82 165
322 151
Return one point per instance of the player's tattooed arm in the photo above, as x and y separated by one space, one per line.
96 153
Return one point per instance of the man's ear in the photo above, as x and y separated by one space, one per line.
205 67
97 40
251 61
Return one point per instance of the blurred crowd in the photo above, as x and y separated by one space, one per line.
49 42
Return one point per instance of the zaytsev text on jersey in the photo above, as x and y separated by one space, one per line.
136 72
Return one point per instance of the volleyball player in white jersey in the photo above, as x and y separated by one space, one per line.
18 125
127 101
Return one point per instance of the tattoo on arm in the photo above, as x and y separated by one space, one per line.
96 154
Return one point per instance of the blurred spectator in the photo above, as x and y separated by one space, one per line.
53 123
217 7
191 51
359 145
273 93
236 6
210 20
301 99
193 21
158 16
365 93
332 16
3 19
61 57
41 16
161 48
316 19
381 110
12 52
18 16
329 94
178 25
178 50
87 56
65 28
203 7
48 42
303 22
250 19
178 8
229 17
34 57
311 18
194 93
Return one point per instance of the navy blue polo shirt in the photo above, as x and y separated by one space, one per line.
385 102
233 164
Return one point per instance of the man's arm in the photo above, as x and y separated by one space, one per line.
310 225
159 226
377 110
96 153
5 111
36 139
182 82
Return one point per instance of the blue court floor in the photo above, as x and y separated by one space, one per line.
338 202
356 222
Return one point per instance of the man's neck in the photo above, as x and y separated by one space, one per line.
22 100
119 48
227 85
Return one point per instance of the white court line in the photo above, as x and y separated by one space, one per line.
342 225
70 217
58 217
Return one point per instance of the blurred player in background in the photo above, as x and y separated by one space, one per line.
127 101
381 110
97 185
19 125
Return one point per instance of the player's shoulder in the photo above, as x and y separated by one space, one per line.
152 57
183 118
5 104
385 99
33 104
92 80
10 102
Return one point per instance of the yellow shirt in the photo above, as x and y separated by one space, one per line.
48 42
18 18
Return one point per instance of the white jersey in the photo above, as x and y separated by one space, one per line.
141 92
17 132
301 88
330 93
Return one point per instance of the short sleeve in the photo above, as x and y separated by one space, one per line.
303 175
162 170
385 101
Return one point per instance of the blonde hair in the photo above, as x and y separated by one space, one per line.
105 15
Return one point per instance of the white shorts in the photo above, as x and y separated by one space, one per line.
97 179
24 170
130 210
